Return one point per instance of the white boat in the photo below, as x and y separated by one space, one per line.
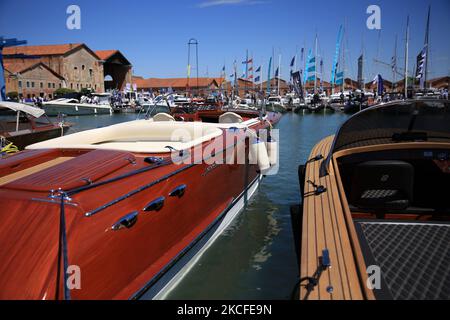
72 107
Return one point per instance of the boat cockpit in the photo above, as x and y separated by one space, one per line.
394 161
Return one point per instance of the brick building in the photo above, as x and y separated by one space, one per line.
73 66
203 86
32 78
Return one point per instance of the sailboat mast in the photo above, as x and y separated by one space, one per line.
315 66
427 34
394 65
343 60
406 58
279 73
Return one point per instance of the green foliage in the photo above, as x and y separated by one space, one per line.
13 95
63 91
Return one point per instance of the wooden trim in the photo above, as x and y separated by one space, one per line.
359 259
391 146
29 171
324 226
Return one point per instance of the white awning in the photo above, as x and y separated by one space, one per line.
35 112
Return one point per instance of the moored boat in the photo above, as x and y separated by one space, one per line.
376 213
72 107
23 125
130 205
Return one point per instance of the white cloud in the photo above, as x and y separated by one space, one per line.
212 3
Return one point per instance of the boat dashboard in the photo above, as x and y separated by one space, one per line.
406 184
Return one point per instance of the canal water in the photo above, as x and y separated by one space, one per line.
255 258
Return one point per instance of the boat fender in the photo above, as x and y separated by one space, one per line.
258 150
272 151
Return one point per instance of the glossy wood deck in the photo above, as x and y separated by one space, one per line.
325 227
29 171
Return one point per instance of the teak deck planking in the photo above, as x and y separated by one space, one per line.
325 227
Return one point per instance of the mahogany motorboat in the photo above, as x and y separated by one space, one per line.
375 219
23 125
129 206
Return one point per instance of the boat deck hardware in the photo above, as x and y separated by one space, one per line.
318 190
312 282
126 221
178 191
155 205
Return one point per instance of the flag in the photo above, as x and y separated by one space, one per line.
276 73
297 83
360 71
292 61
250 77
250 61
312 60
305 75
339 78
336 56
302 52
259 69
394 64
311 69
421 63
231 75
268 76
223 69
250 69
257 79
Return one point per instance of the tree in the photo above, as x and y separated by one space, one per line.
63 91
13 95
85 91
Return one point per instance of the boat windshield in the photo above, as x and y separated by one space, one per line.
404 121
398 121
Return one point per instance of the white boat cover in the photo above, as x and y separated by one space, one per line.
35 112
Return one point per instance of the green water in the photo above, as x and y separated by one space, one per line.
255 257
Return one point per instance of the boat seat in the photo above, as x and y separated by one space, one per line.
382 185
162 116
147 136
230 117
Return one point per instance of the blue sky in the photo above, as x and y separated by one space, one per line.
153 34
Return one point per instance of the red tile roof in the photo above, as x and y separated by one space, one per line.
173 82
105 54
58 49
20 66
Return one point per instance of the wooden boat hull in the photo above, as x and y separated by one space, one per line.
129 263
37 135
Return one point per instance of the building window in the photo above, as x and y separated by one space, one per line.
28 84
32 84
49 85
60 85
82 67
91 72
78 86
20 84
53 85
41 85
71 86
75 68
